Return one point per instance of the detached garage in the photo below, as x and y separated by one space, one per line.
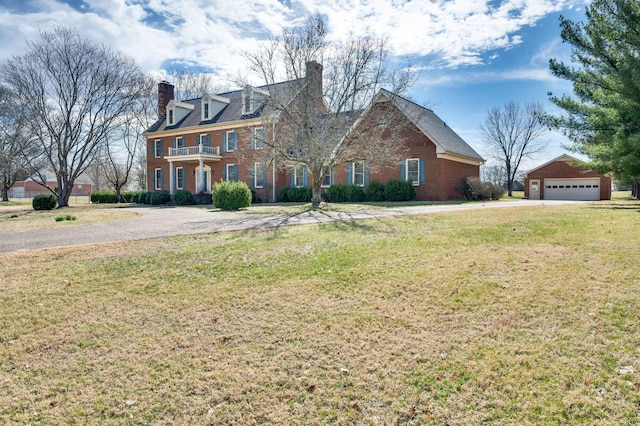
559 179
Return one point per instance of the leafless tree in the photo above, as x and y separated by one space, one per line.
494 173
73 93
17 146
190 84
324 126
513 134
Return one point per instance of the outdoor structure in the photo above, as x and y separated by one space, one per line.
28 188
559 179
200 141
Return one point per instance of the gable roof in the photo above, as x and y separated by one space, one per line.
447 141
563 157
232 111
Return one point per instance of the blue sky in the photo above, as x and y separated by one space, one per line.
472 54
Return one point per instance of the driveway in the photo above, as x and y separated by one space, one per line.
155 222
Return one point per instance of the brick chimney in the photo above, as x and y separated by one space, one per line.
314 78
165 95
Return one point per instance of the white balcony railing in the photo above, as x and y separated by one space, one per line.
194 150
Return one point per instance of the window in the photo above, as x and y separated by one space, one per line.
298 176
259 175
259 138
358 174
79 188
170 119
230 141
246 101
179 142
413 171
203 139
327 180
158 176
179 178
230 172
206 111
157 148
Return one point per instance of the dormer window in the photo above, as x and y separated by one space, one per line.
252 99
246 101
170 117
176 111
205 112
211 105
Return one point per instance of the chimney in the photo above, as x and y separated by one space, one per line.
165 95
314 78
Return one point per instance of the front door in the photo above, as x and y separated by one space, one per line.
534 189
206 181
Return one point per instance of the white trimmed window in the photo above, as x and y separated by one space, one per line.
259 175
327 180
171 116
231 172
230 140
413 171
298 176
179 177
179 142
157 148
259 138
205 111
358 174
158 176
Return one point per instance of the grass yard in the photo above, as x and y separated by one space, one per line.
527 316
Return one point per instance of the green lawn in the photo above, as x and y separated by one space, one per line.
522 316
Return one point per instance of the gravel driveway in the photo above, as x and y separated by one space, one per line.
155 222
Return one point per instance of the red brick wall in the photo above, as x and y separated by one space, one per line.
563 170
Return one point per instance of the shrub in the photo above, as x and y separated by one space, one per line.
182 197
294 195
44 202
202 199
375 191
103 196
129 196
355 194
474 189
231 195
161 197
399 190
337 193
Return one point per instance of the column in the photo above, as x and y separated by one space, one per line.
201 187
172 178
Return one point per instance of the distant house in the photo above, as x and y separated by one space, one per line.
28 188
200 141
560 179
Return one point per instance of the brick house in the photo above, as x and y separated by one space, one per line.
29 188
200 141
561 179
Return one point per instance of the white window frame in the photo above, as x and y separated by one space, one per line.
417 172
156 178
226 148
171 116
206 110
227 166
178 138
156 143
178 170
262 145
298 174
247 101
259 175
355 173
327 175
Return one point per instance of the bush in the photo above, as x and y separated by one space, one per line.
182 197
355 194
161 197
103 196
202 199
375 191
294 195
129 196
44 202
337 193
475 189
399 190
231 195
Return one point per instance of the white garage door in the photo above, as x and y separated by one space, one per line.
587 189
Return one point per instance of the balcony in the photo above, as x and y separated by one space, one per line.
194 153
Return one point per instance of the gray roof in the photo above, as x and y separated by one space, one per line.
443 136
231 112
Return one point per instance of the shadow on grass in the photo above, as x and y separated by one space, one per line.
617 206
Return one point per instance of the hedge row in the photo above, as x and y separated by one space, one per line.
393 190
109 196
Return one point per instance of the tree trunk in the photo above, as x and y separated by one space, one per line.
117 191
63 195
316 194
5 193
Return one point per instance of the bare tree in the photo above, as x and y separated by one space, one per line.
72 92
513 134
324 122
494 173
17 147
189 84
